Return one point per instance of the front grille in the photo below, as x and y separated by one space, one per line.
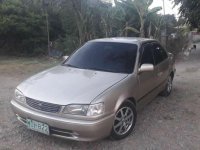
63 133
43 106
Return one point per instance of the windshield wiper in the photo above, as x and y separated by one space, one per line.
69 65
98 69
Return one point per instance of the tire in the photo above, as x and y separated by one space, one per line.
125 119
168 88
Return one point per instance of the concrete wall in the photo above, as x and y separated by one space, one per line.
194 37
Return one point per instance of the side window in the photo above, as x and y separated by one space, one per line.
159 53
164 53
147 56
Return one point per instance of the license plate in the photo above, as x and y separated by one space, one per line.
37 126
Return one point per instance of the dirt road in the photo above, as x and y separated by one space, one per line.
167 123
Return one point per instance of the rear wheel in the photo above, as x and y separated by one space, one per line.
125 119
168 89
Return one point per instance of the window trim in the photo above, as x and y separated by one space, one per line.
142 51
164 50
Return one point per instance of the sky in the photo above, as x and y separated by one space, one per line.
169 9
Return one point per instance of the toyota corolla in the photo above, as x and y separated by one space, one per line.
96 92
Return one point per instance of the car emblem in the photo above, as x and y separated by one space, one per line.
40 104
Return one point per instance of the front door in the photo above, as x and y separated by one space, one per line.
161 63
146 79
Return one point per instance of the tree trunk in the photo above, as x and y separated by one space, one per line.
106 28
79 22
126 31
150 28
80 33
48 38
142 34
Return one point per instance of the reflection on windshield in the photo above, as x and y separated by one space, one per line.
105 56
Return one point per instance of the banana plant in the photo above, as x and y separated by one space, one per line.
143 11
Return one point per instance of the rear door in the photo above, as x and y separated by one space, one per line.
161 63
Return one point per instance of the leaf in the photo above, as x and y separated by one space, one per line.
154 10
149 2
132 29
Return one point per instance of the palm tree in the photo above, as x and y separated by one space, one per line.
143 11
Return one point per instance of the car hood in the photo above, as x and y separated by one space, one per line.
65 85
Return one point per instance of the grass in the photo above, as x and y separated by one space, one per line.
21 65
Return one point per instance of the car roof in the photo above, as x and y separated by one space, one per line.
131 40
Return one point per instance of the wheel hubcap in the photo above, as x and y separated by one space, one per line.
169 85
123 120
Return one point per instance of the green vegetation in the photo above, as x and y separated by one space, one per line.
23 27
190 11
23 23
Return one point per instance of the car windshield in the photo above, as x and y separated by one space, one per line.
105 56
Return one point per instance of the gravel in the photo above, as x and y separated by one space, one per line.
166 123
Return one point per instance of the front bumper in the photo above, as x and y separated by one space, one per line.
79 130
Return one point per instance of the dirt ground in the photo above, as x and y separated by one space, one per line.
171 123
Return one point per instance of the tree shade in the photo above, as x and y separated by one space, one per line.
190 10
23 26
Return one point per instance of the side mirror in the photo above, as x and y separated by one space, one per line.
64 58
146 68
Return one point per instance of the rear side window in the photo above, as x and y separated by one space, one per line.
159 53
147 55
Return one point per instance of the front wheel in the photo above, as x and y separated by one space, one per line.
124 122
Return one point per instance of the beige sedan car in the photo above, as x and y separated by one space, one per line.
97 91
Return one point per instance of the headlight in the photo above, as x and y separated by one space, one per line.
85 110
19 96
95 109
76 109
